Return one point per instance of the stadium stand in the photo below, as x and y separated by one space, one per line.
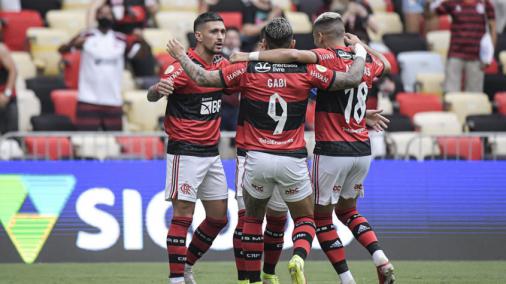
42 87
465 104
439 41
76 4
65 103
388 23
51 122
469 148
70 64
300 22
42 7
494 84
411 104
144 147
28 106
484 123
44 43
52 148
95 146
141 114
409 144
399 123
179 5
431 83
157 39
232 19
71 21
437 123
502 59
24 65
500 101
415 62
394 65
15 28
404 42
177 23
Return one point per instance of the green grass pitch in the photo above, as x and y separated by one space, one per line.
318 272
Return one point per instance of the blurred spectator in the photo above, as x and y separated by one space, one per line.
500 12
130 17
232 42
413 15
8 106
41 6
10 5
100 74
468 27
356 16
255 17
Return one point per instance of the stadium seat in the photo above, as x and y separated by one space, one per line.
437 123
232 19
439 41
49 147
179 5
43 86
24 65
388 23
415 62
304 41
502 60
464 104
95 146
44 44
51 122
157 39
492 68
76 4
226 5
141 113
470 148
393 62
444 23
300 22
413 103
501 44
378 6
492 122
71 62
28 106
42 7
310 7
142 146
399 123
65 103
498 144
177 23
71 21
500 102
411 144
404 42
430 83
494 84
15 27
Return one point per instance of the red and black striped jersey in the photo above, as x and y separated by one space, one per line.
340 125
273 103
192 119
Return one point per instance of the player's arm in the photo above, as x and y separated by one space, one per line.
198 74
283 55
354 75
352 39
161 89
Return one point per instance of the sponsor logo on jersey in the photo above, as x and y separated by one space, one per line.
263 67
210 106
274 142
344 55
321 68
185 188
169 69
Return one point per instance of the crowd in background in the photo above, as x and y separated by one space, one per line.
126 20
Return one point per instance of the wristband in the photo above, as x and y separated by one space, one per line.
254 56
360 51
8 93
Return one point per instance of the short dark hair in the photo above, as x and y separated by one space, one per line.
278 33
330 24
204 18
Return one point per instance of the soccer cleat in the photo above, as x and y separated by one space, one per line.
188 275
296 269
386 273
270 278
177 280
243 281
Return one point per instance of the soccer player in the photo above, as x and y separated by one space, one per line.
342 153
194 168
275 98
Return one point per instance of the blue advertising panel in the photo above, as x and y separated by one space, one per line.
115 210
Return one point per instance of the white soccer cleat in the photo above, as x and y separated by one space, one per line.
386 273
188 275
178 280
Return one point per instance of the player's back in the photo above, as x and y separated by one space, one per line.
340 125
274 99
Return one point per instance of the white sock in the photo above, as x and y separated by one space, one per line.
346 277
379 258
187 267
176 280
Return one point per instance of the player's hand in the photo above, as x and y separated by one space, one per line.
165 87
351 39
375 120
175 48
238 56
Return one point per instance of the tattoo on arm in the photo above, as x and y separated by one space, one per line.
351 78
153 95
198 74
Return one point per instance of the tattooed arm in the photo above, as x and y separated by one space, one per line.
351 78
198 74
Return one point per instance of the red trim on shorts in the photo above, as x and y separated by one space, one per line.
316 161
175 176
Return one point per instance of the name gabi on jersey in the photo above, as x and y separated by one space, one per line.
210 106
276 83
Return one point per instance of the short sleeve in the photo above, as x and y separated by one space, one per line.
320 76
489 8
329 59
176 73
231 74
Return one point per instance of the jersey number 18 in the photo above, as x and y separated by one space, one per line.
360 106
